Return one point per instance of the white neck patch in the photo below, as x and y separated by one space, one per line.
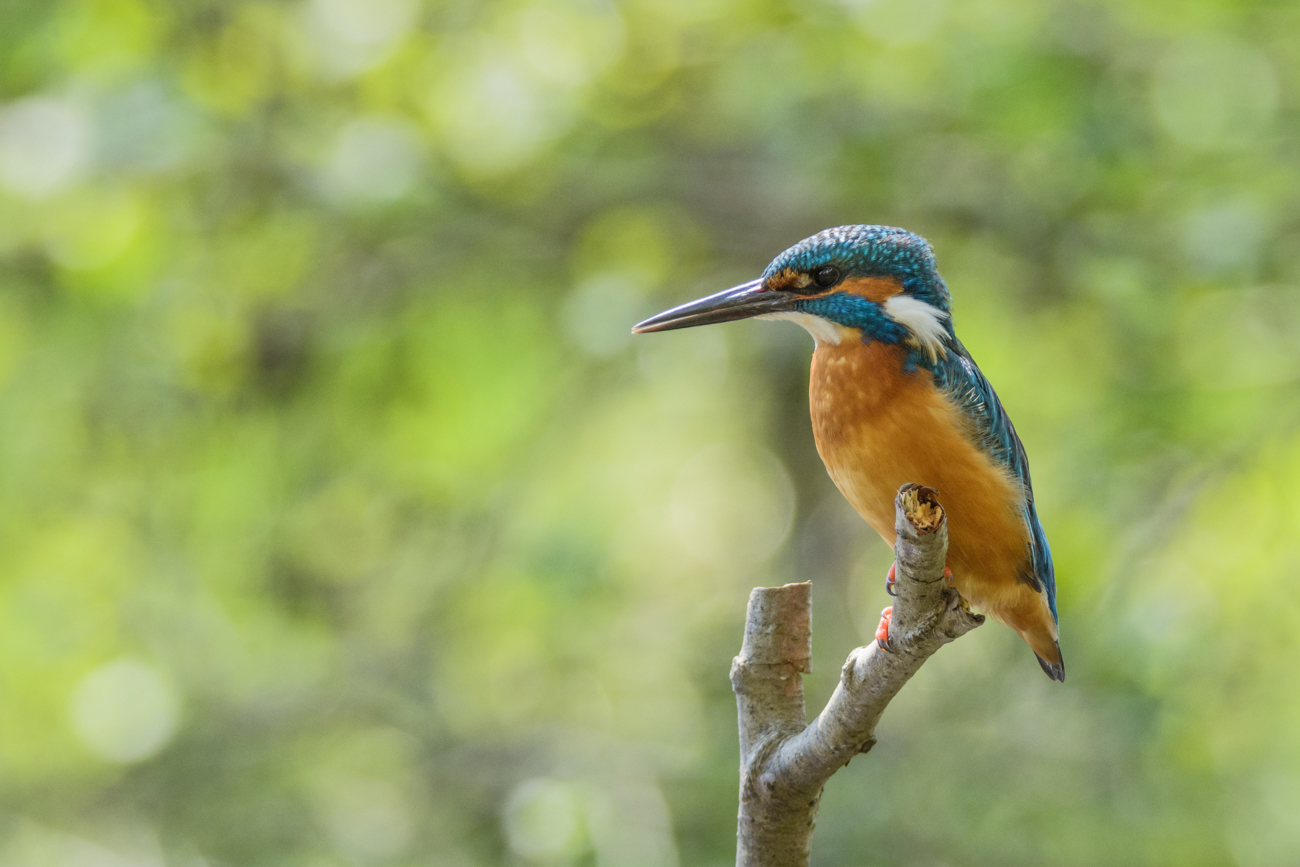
822 330
924 322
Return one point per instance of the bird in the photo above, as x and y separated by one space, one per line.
896 398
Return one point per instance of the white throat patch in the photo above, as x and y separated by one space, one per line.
924 322
822 330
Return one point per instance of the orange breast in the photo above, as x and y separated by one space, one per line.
878 428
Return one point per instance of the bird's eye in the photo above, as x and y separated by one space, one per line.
826 277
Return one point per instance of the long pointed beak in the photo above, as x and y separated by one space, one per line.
739 302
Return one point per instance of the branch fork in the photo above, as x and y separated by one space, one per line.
785 761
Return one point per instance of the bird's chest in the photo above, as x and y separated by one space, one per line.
863 406
878 427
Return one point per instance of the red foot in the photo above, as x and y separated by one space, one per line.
891 580
882 631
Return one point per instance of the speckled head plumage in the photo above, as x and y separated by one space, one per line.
870 251
876 282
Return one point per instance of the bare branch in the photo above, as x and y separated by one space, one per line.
785 762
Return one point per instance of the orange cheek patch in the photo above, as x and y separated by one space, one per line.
877 289
787 278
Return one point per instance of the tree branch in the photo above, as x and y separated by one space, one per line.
784 761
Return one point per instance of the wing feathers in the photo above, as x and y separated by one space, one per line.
957 375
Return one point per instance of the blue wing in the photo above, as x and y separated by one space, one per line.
963 382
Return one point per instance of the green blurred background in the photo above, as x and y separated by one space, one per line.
342 522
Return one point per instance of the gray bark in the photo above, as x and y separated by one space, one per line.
784 760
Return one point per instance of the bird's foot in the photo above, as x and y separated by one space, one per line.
891 580
882 631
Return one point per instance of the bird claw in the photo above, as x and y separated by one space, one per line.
882 631
891 587
891 580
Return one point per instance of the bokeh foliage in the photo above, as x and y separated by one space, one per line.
342 521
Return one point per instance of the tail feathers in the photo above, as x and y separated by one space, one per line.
1054 670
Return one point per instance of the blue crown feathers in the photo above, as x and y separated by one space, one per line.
871 251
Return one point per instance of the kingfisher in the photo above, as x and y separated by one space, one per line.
897 398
